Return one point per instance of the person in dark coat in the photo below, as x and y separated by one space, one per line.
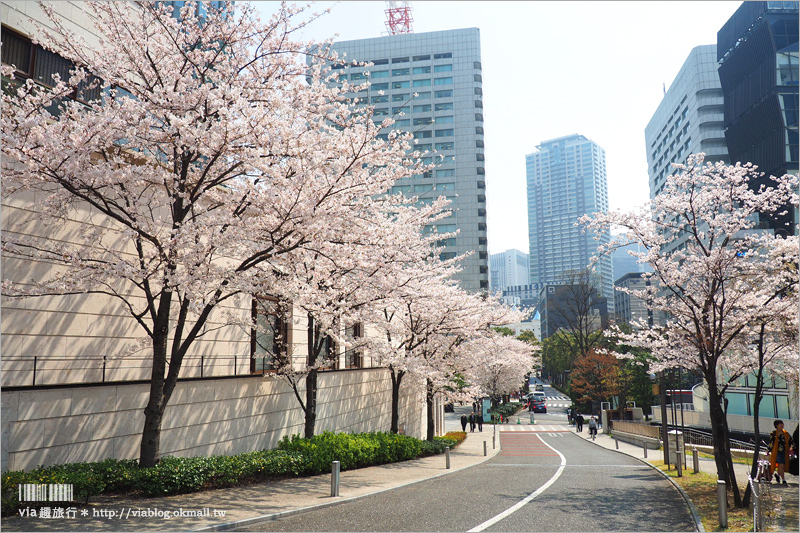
479 420
463 422
579 422
472 421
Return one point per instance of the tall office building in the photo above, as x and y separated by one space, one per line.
688 120
509 268
758 71
446 118
566 179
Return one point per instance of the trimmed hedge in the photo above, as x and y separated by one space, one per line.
294 457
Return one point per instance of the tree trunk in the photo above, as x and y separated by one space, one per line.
150 446
311 403
720 436
429 396
756 410
397 378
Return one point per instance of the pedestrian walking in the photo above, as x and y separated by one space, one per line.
569 416
472 421
780 442
479 420
463 422
593 428
579 422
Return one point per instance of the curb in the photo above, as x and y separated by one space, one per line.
227 526
698 523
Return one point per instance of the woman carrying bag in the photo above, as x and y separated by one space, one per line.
780 442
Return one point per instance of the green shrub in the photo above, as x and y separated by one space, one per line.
295 456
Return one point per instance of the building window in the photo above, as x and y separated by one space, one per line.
477 65
401 84
380 99
380 62
422 83
443 94
354 356
400 72
424 108
379 74
447 55
268 338
444 120
381 111
479 104
424 134
445 228
357 76
478 91
424 121
445 133
445 173
445 146
442 81
33 61
400 60
443 68
422 70
422 58
380 86
425 95
445 106
399 97
401 122
478 78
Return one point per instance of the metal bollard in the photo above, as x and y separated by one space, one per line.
616 441
484 449
447 457
334 479
644 445
695 461
679 459
493 442
722 503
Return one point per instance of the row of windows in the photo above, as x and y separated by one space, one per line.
399 72
33 61
397 60
268 342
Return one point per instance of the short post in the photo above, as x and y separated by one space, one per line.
644 445
334 479
722 503
484 449
695 461
447 457
493 443
616 442
678 460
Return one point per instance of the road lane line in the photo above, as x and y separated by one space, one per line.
529 498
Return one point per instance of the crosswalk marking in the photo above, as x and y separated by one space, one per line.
535 428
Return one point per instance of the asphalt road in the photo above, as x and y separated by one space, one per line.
541 481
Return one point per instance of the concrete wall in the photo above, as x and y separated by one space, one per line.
205 417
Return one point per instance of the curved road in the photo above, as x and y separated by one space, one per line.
546 478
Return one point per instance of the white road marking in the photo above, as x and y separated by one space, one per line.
529 498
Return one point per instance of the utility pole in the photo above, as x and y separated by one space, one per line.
662 389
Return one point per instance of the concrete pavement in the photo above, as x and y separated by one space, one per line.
230 508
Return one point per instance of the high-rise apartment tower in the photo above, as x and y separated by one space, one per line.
566 179
443 69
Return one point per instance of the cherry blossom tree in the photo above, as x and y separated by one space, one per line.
717 282
500 363
342 287
213 156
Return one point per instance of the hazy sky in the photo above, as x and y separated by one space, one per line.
552 69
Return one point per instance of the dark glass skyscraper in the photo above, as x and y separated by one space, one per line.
758 54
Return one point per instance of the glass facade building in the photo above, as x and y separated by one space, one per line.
757 50
509 268
443 69
566 179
